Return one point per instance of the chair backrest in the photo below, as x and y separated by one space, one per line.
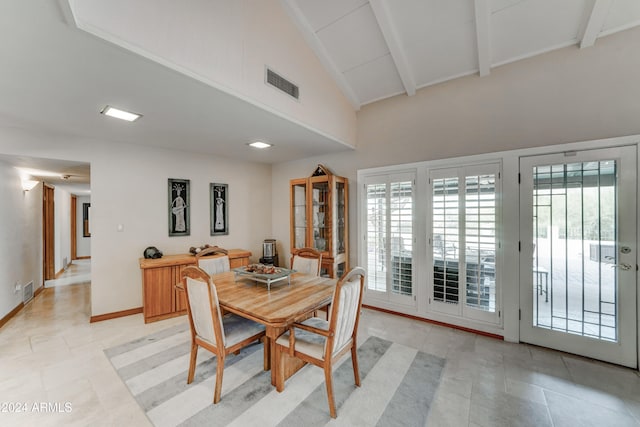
213 260
345 314
203 307
306 261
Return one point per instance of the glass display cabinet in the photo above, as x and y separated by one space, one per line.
319 218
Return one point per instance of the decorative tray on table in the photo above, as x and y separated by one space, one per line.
264 273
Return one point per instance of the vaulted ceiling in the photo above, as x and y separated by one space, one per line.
375 49
55 78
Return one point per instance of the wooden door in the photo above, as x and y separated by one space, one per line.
48 232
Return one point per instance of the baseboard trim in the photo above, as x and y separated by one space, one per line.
83 257
115 315
37 291
58 274
435 322
12 313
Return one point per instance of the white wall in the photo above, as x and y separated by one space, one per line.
227 44
129 187
83 244
20 237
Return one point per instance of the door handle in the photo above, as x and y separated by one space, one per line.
623 266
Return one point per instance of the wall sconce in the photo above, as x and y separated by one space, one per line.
28 184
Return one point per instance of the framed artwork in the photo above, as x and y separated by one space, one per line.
179 207
86 231
219 209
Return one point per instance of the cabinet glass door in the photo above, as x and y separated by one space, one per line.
299 214
321 216
340 225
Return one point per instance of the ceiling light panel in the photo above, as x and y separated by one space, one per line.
120 114
260 144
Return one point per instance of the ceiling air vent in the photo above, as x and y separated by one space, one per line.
282 84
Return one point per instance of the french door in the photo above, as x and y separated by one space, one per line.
464 274
578 253
389 232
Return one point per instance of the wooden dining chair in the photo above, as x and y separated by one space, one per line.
221 335
323 343
213 260
308 261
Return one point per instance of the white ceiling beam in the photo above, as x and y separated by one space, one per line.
483 17
390 34
67 12
599 13
316 45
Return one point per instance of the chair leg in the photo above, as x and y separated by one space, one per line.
329 381
354 362
192 362
219 372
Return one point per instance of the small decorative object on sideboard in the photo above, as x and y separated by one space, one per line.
211 248
269 252
152 253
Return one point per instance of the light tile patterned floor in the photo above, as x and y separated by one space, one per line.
49 353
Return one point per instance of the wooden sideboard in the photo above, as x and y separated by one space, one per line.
160 298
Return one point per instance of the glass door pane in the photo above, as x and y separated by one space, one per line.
574 220
299 215
340 226
376 231
400 243
446 239
480 241
321 216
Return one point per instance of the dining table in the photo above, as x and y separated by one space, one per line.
277 307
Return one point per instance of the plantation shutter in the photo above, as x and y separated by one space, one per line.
389 233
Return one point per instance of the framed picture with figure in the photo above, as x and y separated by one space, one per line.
219 209
179 207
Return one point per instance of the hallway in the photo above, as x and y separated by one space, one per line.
79 271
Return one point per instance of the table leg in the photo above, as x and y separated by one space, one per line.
289 366
272 334
266 343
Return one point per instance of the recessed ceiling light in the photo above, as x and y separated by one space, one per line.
120 114
260 144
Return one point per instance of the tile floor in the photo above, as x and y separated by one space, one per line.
51 355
